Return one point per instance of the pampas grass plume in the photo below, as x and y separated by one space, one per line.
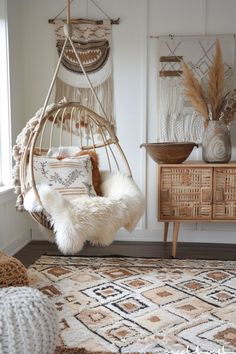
194 91
216 83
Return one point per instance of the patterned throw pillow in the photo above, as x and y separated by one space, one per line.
96 172
74 151
71 176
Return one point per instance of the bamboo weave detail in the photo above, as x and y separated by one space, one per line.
186 193
224 193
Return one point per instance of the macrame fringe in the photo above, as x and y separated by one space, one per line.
85 97
178 120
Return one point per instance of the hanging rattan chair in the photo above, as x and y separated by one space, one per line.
71 124
57 128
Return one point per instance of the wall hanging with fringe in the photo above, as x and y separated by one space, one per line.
93 44
178 120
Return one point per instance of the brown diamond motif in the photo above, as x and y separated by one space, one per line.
96 317
107 292
222 296
218 275
228 335
122 332
57 272
118 273
130 305
194 285
154 319
85 277
187 307
163 294
137 283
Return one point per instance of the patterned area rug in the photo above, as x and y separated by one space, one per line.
141 305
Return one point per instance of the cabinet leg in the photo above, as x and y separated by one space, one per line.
165 233
175 238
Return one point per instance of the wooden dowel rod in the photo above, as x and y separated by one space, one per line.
171 59
170 73
174 36
82 20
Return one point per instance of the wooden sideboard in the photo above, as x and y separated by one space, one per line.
195 191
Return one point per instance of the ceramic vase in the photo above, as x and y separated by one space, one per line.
216 142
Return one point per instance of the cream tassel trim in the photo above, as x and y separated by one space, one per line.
86 98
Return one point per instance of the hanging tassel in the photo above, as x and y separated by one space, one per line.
86 98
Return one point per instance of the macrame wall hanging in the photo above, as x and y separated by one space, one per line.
92 40
178 120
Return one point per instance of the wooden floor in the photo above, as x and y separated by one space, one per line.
35 249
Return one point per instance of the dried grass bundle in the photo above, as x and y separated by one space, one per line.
216 83
194 91
215 104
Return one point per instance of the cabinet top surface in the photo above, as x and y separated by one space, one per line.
198 164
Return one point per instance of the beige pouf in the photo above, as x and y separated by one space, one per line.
12 272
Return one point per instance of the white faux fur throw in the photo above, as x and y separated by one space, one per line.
95 219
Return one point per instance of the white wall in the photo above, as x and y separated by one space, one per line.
185 17
14 226
134 78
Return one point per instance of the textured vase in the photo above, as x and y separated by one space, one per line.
216 142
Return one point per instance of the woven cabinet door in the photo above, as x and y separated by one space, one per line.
224 193
185 193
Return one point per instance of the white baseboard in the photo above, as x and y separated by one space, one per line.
185 235
199 236
19 242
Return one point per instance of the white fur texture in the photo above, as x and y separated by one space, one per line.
95 219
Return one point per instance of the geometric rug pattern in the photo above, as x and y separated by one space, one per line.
140 305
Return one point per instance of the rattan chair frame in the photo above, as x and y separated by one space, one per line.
56 117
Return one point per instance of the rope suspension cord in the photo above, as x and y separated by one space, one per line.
68 34
113 22
59 13
99 8
68 13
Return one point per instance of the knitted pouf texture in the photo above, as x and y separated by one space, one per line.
12 272
28 322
